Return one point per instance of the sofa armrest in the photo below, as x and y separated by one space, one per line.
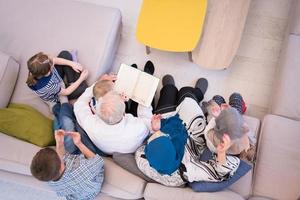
277 174
9 70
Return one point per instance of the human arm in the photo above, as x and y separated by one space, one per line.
82 111
145 114
61 61
108 77
59 139
77 141
67 91
222 148
156 122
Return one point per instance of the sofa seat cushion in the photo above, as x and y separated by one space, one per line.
155 191
295 17
9 70
119 183
244 185
277 173
287 92
55 25
16 155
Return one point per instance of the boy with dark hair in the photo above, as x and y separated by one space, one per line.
71 176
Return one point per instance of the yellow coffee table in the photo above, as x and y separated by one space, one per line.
171 25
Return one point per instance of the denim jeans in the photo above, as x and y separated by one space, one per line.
65 119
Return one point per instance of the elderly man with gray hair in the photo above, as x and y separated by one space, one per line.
110 128
111 108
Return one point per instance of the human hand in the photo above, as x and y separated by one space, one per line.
224 106
59 137
124 97
76 137
77 67
84 74
224 145
216 110
109 77
156 122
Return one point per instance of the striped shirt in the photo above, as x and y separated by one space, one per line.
48 87
82 178
192 168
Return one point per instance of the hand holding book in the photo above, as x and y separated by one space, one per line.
135 84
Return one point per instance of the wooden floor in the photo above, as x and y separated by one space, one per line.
252 71
222 32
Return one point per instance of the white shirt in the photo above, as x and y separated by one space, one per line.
123 137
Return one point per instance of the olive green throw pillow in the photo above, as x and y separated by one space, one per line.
26 123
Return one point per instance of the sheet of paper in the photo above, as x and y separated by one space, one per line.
126 80
145 89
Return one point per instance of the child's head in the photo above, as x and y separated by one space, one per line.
230 121
213 108
111 108
102 87
46 165
38 65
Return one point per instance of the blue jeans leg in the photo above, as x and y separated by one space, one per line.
66 120
87 141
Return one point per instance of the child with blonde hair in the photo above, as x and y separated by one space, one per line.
104 85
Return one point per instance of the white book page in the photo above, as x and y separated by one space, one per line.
145 89
126 80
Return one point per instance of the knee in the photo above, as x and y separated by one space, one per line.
65 54
67 107
67 124
69 145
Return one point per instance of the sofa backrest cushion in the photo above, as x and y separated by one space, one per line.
286 89
9 70
31 26
294 26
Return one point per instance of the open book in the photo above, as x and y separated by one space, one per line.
137 85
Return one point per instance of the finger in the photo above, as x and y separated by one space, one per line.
226 138
67 133
72 134
114 77
59 132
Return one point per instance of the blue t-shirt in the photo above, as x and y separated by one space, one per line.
48 87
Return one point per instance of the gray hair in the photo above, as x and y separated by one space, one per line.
111 108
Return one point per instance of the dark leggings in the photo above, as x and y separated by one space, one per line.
70 76
170 97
